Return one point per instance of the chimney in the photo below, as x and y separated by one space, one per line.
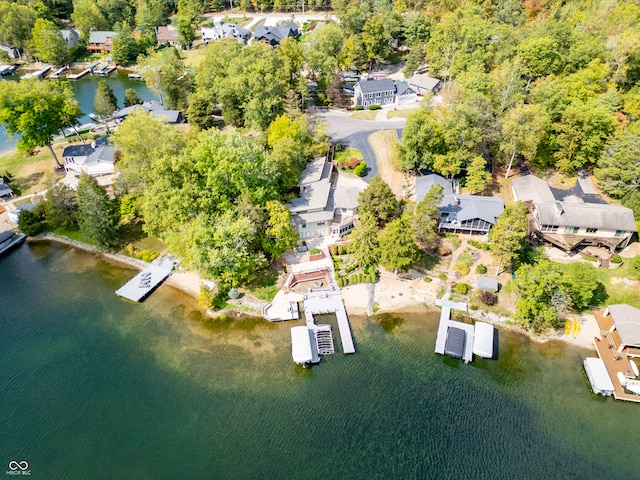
559 209
456 201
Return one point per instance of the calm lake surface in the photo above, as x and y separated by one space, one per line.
92 386
85 90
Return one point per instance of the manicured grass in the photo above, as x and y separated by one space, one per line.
401 113
618 291
347 153
364 115
151 243
241 21
264 285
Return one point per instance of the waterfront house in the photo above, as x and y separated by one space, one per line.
424 84
225 30
469 213
100 41
5 190
12 52
156 109
575 221
425 182
96 159
328 201
167 35
71 37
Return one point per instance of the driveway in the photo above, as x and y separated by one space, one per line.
355 134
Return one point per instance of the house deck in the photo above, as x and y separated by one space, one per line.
613 360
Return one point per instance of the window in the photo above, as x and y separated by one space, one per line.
304 225
592 230
571 230
321 223
620 233
549 228
378 94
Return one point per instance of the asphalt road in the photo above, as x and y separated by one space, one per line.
355 134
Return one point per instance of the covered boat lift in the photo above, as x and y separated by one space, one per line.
598 376
302 346
483 340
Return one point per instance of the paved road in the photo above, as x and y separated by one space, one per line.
272 19
355 134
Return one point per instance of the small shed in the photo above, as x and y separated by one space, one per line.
487 284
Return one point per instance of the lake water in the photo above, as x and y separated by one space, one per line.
85 89
92 386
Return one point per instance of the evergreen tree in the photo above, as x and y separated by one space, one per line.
379 201
365 249
104 102
425 217
124 48
508 235
398 250
97 214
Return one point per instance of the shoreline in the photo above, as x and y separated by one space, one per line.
395 301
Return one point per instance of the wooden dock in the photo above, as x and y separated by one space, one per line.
326 301
145 282
76 76
613 360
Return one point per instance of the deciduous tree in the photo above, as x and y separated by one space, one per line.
47 43
279 235
618 171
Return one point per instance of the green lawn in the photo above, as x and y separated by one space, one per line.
264 285
616 290
401 113
364 114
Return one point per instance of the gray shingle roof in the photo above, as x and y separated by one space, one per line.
586 215
486 283
531 189
473 206
425 182
403 88
424 81
99 36
374 86
627 321
5 190
77 151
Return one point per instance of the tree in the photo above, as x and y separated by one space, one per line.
541 295
151 14
187 33
422 140
618 171
37 111
87 16
279 235
379 201
124 48
398 250
477 175
523 128
364 248
104 102
426 215
61 206
201 110
581 135
335 91
47 44
131 98
30 222
97 214
582 282
165 76
16 23
507 236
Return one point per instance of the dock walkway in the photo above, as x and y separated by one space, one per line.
446 323
325 301
146 281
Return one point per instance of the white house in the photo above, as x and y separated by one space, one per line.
328 201
95 159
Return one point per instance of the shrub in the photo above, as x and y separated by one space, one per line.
342 249
427 279
462 288
473 307
340 281
463 265
375 107
616 259
315 251
353 279
234 293
333 249
30 222
358 107
442 276
360 278
361 169
488 298
481 269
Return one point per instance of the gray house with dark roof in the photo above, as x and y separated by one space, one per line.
374 92
274 35
425 182
5 190
422 84
571 222
469 213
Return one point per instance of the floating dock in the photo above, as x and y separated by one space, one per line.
326 301
58 73
8 240
146 281
39 74
7 69
462 340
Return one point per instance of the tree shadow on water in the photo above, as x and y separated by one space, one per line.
388 322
